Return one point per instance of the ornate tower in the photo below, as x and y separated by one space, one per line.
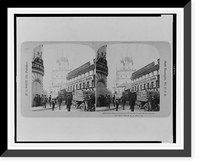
101 72
37 72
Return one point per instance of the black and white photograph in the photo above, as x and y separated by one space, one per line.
98 78
63 77
131 80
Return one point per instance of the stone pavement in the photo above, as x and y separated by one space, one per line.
106 108
41 108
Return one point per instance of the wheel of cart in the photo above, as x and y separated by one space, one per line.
146 107
82 106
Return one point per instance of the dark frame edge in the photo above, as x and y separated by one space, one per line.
187 79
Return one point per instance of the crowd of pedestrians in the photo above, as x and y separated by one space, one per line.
42 100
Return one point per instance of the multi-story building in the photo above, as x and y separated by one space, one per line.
147 77
82 77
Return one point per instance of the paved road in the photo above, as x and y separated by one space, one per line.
101 109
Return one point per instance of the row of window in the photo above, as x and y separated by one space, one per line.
156 72
84 85
91 72
149 85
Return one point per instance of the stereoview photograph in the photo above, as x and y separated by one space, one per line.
97 78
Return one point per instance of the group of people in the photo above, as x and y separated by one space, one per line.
89 102
123 100
153 101
107 100
67 99
40 100
43 100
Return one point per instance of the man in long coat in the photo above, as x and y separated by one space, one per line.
69 102
123 98
132 99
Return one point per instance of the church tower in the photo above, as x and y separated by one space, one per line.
60 69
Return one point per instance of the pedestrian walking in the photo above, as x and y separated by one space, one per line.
69 102
44 101
123 98
59 102
132 99
50 100
108 100
113 100
86 99
53 102
38 100
117 103
150 100
35 100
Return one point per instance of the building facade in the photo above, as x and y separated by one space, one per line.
37 72
81 78
147 78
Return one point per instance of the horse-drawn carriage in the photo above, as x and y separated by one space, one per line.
148 100
84 100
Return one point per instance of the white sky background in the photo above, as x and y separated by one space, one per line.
77 55
141 54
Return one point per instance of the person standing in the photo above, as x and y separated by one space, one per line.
108 100
86 99
59 102
123 100
44 101
69 102
38 100
113 100
53 104
132 99
117 103
150 100
50 100
35 100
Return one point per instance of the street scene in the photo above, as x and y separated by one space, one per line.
115 77
128 77
60 77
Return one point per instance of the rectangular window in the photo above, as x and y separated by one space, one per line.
157 84
151 84
80 86
84 85
147 85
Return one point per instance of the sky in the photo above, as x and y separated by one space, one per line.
76 54
142 54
